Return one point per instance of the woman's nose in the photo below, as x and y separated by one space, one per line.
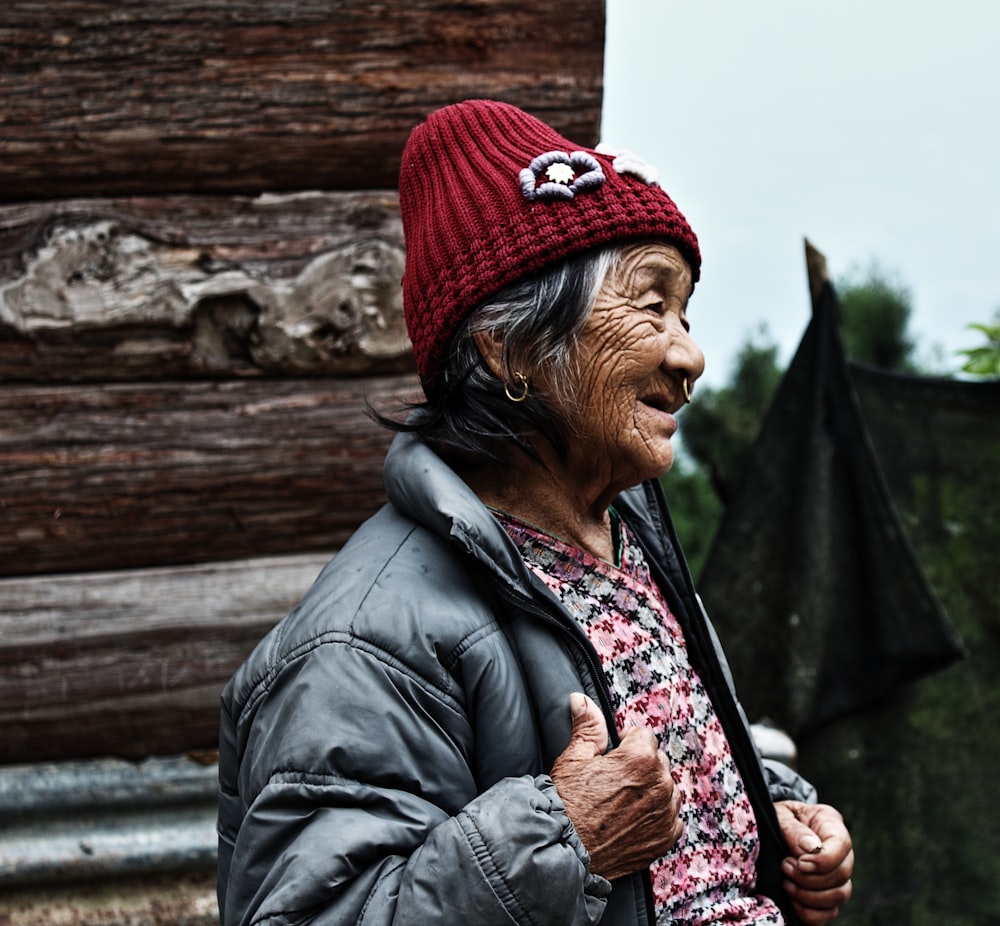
685 355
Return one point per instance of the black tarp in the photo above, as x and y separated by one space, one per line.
812 574
855 582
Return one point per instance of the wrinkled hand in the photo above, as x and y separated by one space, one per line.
623 804
818 882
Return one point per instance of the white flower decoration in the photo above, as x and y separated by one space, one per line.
562 175
627 162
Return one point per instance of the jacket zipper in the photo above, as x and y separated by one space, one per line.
576 636
573 633
725 702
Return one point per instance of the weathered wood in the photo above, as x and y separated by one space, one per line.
112 97
131 663
816 271
155 899
154 288
132 475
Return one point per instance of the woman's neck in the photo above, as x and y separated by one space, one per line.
550 500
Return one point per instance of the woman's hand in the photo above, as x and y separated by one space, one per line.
623 804
818 872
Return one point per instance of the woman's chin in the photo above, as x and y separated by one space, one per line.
658 463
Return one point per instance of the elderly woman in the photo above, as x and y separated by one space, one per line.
501 702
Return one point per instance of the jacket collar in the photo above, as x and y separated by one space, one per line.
423 487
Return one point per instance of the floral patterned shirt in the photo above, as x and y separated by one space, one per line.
709 875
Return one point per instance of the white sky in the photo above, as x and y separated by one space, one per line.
870 127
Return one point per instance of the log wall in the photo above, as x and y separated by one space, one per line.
183 287
128 97
200 258
144 474
132 659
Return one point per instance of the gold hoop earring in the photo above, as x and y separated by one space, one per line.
521 380
687 389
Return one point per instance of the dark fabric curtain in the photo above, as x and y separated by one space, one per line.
818 578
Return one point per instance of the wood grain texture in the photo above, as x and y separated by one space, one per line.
111 97
131 663
189 286
144 474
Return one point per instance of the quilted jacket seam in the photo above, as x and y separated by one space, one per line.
494 876
344 638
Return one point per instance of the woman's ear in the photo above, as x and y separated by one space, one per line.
491 349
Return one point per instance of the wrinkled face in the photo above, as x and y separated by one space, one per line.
634 352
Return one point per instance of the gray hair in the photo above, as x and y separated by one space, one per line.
537 322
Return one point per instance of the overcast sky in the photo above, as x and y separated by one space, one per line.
870 127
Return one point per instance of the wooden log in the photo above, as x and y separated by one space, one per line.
132 663
154 288
133 475
119 97
154 899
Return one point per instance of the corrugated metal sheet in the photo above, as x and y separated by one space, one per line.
108 841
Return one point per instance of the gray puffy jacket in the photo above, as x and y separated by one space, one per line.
385 749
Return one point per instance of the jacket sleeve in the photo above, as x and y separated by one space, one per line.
785 784
363 807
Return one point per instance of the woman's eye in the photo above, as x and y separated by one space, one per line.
655 307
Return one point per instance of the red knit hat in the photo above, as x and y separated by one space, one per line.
489 194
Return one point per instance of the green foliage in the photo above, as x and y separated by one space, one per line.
717 431
874 318
720 425
985 360
695 508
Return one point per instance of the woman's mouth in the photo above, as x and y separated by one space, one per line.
663 406
659 402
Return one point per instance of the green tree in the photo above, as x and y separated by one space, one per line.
985 360
695 508
717 431
874 319
720 425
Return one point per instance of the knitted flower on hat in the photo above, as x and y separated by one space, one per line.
490 194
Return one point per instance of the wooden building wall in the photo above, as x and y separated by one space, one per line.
200 254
